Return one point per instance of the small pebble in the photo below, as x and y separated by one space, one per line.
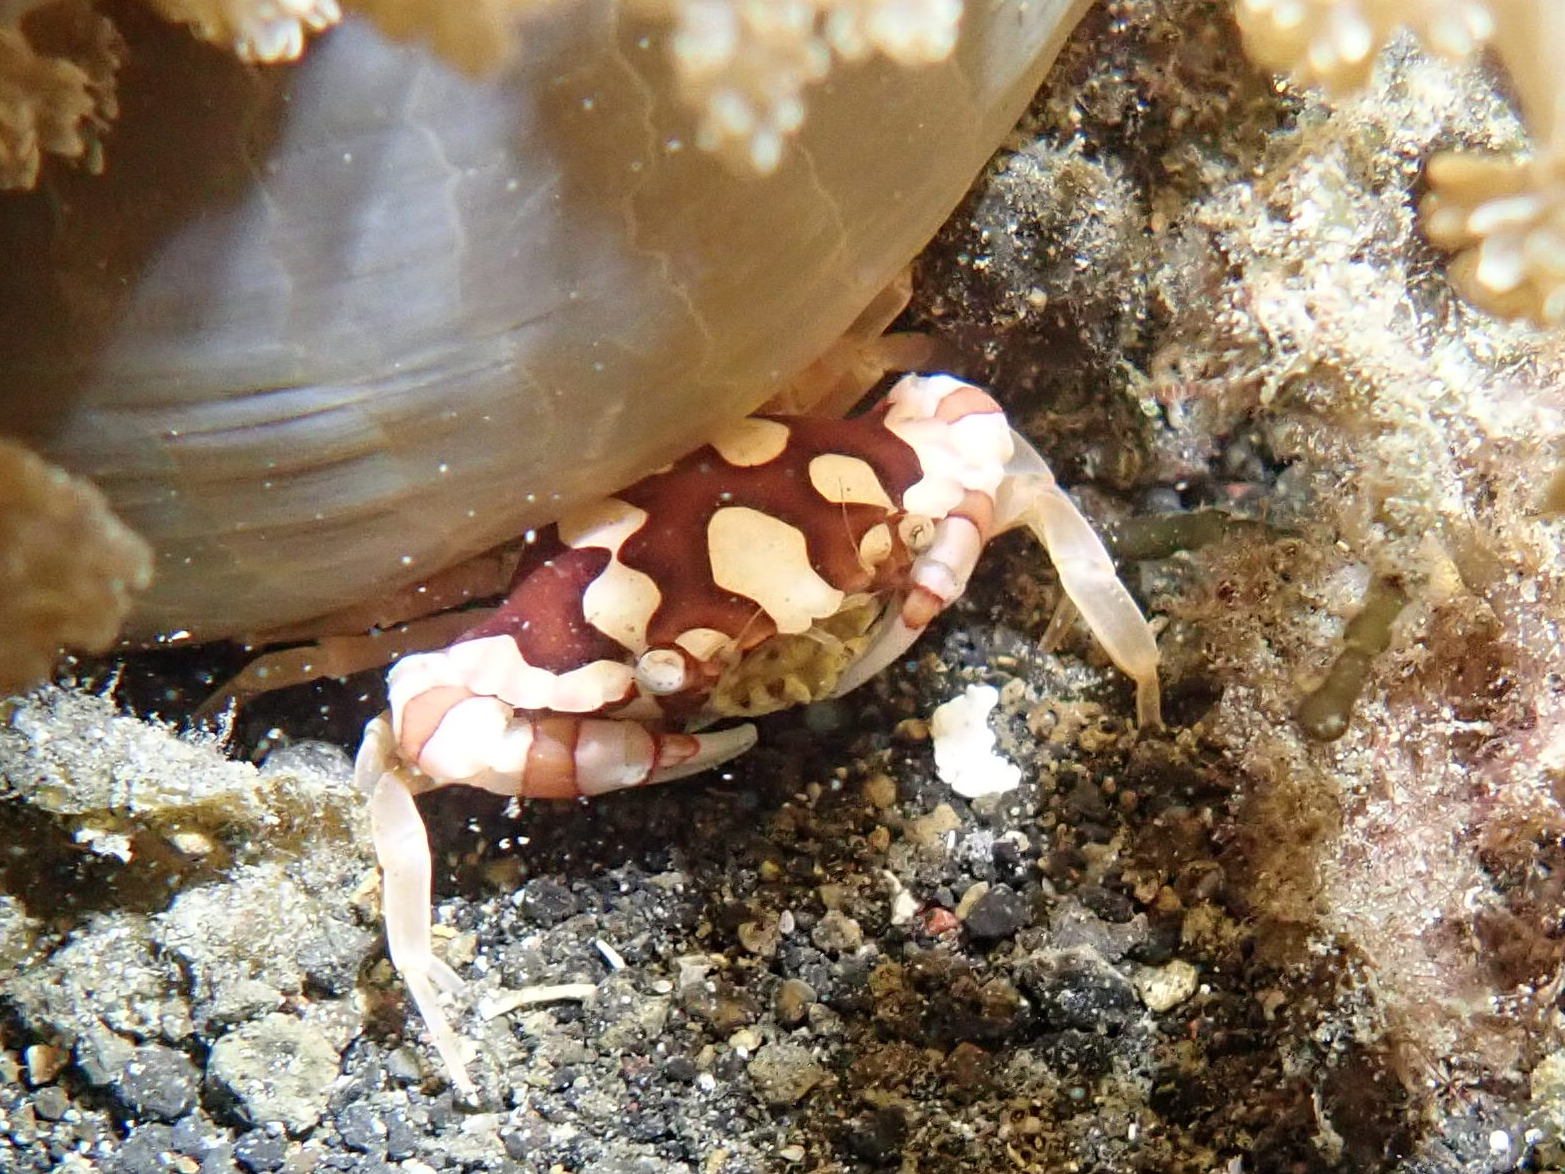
51 1103
746 1041
1076 990
999 913
881 790
361 1128
44 1063
759 937
403 1066
794 997
926 830
546 901
837 933
939 920
681 1068
1164 987
878 1136
530 1136
157 1084
719 1003
277 1068
147 1151
401 1140
261 1151
967 1066
784 1072
308 755
975 893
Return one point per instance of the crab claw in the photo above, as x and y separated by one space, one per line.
982 477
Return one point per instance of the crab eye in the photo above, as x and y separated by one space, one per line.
660 671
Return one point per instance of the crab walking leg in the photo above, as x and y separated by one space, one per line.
402 847
337 656
545 757
1029 497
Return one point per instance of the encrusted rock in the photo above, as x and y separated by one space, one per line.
784 1072
278 1068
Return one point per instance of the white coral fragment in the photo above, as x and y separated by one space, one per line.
1333 42
744 65
965 757
256 30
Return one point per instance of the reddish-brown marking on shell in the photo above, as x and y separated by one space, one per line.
922 605
543 612
977 508
675 750
682 500
965 401
796 527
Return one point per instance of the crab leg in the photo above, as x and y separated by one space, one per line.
336 656
402 848
545 757
1029 497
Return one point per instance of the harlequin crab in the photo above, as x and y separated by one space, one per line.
788 560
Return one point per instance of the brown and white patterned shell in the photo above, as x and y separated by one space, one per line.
743 578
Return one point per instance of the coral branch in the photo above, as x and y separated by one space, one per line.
57 66
69 571
1503 215
256 30
744 64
